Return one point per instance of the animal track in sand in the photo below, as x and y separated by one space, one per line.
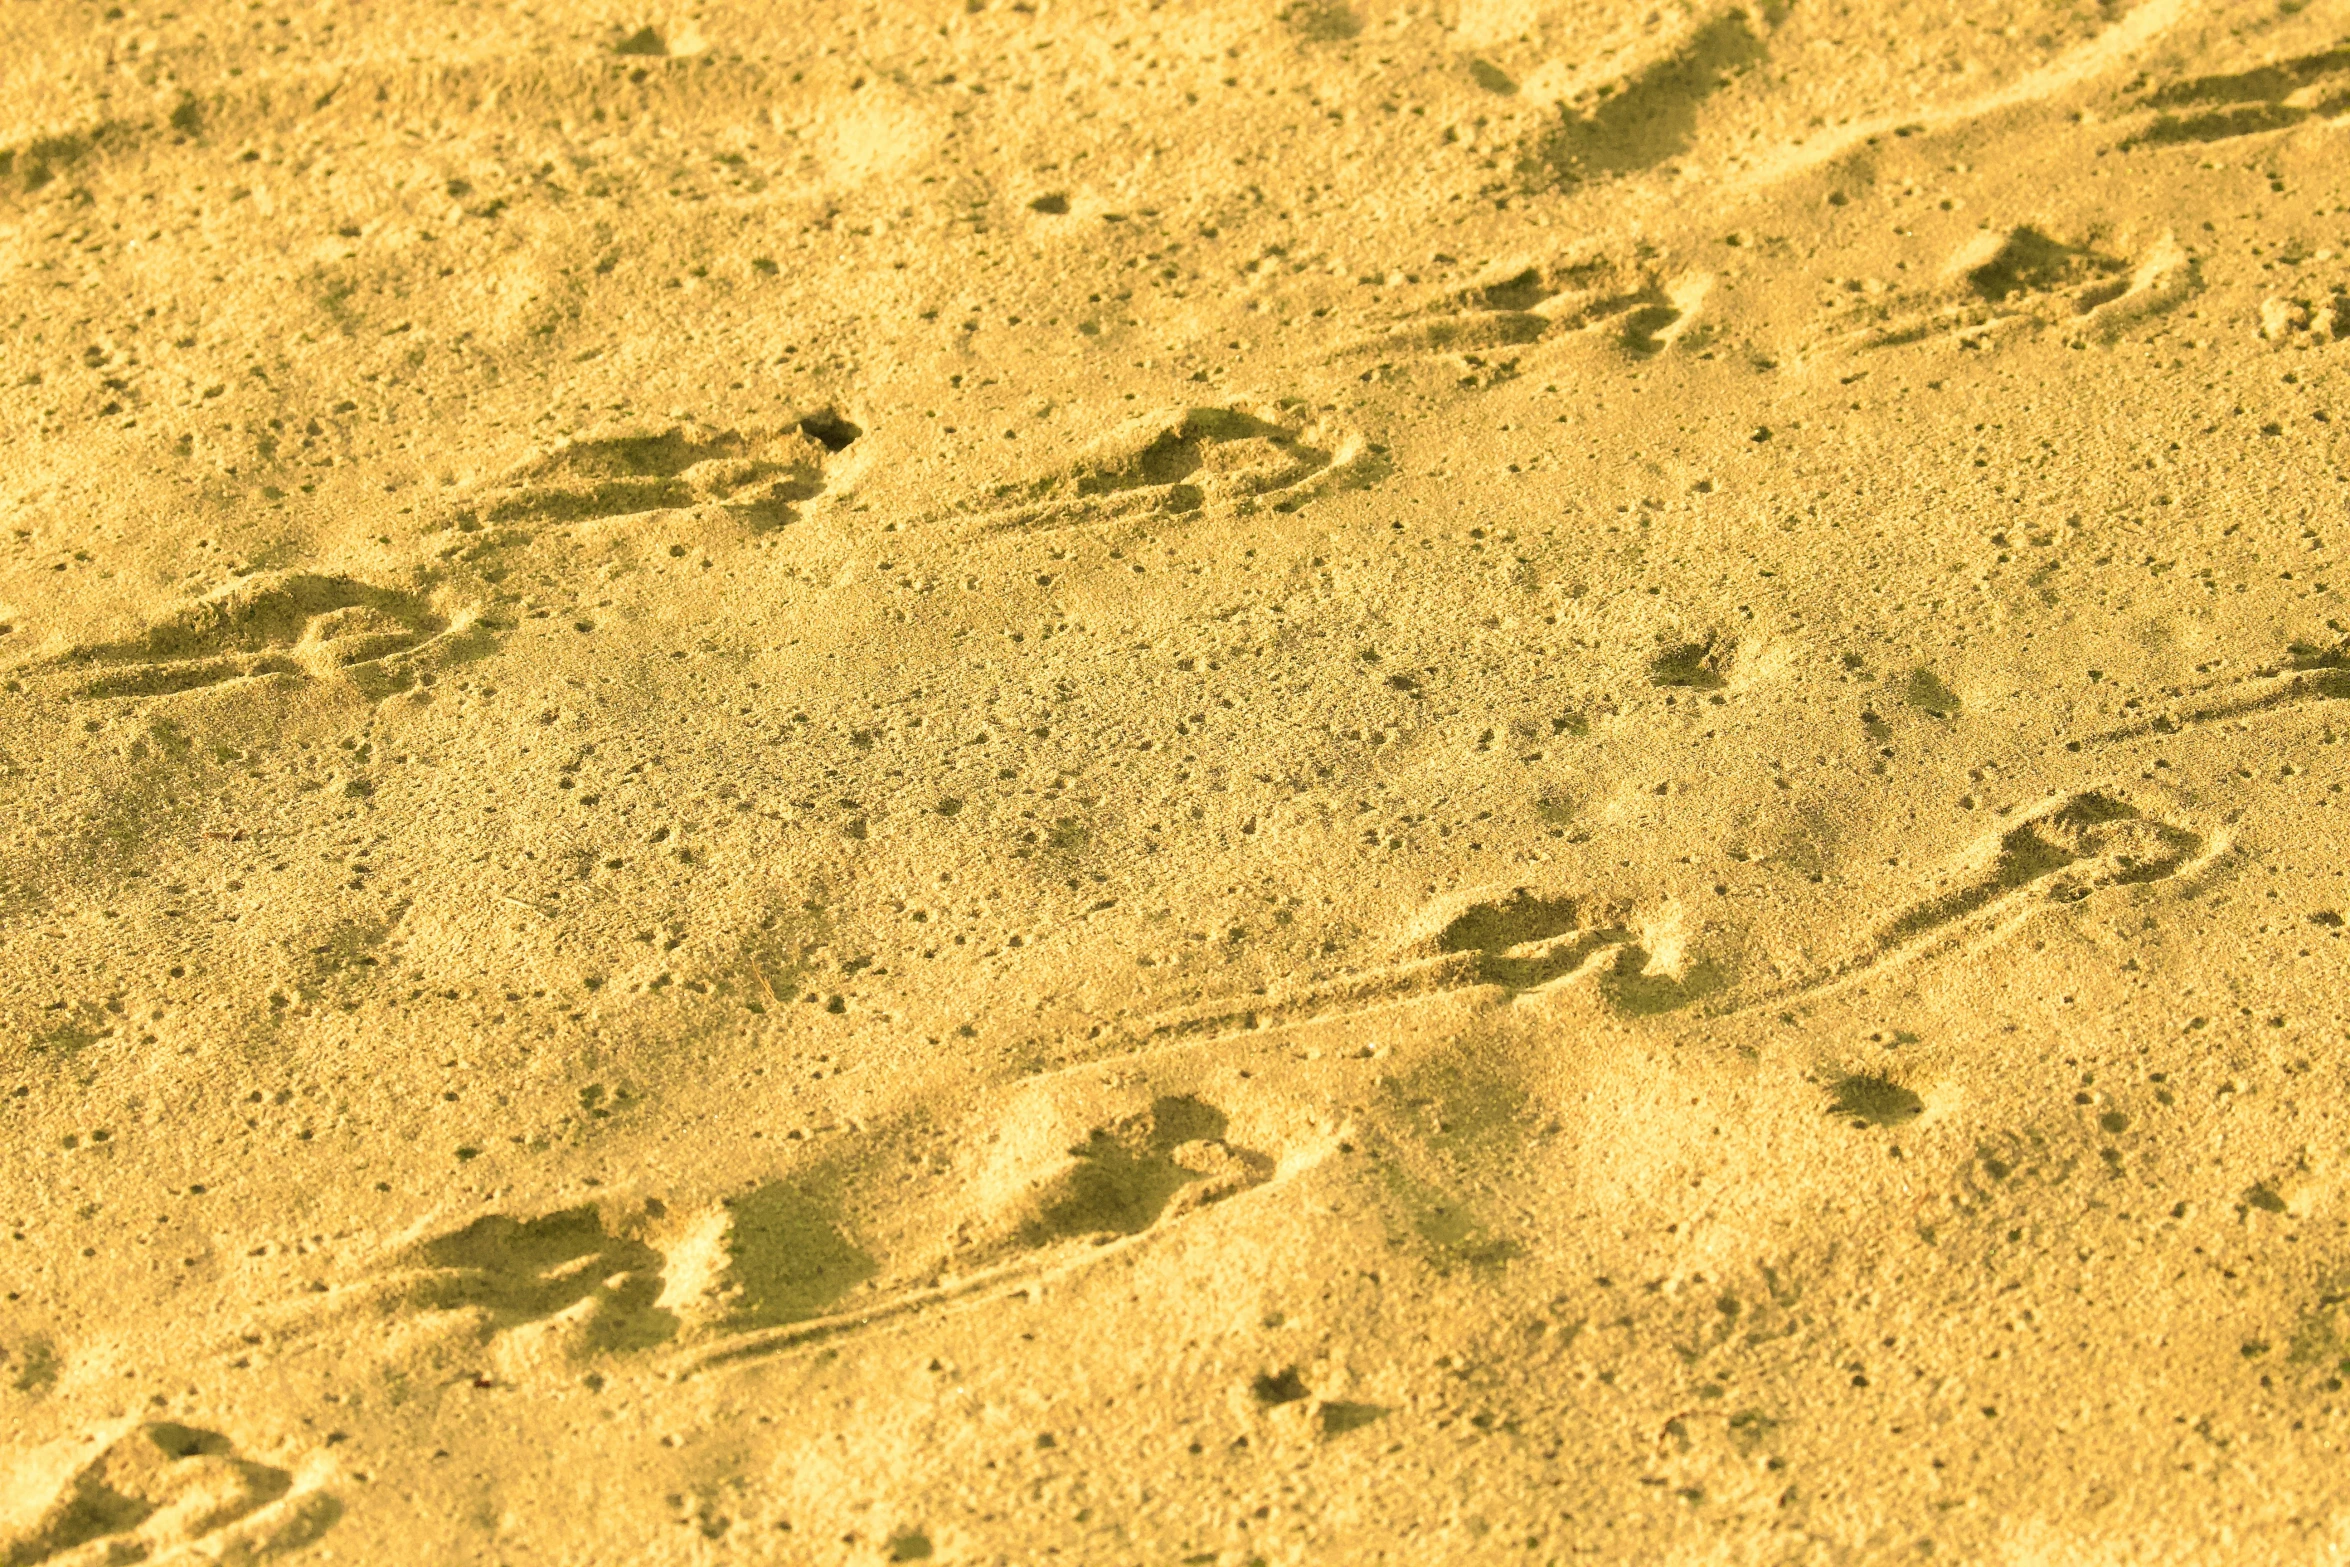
759 476
2062 851
2244 103
2309 319
1870 1099
164 1493
1209 459
825 1250
300 624
1646 120
2024 278
1128 1174
1081 1163
2076 845
505 1272
1519 941
1523 942
1640 309
1051 1183
313 625
1053 1176
784 1255
1036 1205
2107 53
2308 673
759 479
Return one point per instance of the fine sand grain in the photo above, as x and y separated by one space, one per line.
1379 780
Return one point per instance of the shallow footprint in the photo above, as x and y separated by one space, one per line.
780 1254
2309 672
1643 310
1644 119
2075 845
760 475
1229 458
303 624
1057 1181
1522 941
2266 98
164 1492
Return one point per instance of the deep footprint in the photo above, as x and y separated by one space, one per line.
1523 941
513 1271
789 1257
2025 275
1125 1176
1648 118
2245 103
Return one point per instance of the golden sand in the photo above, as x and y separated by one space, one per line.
1497 781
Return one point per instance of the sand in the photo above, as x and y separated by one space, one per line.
1507 781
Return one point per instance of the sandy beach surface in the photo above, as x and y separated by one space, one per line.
1511 781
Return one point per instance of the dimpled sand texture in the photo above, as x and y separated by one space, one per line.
1261 781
